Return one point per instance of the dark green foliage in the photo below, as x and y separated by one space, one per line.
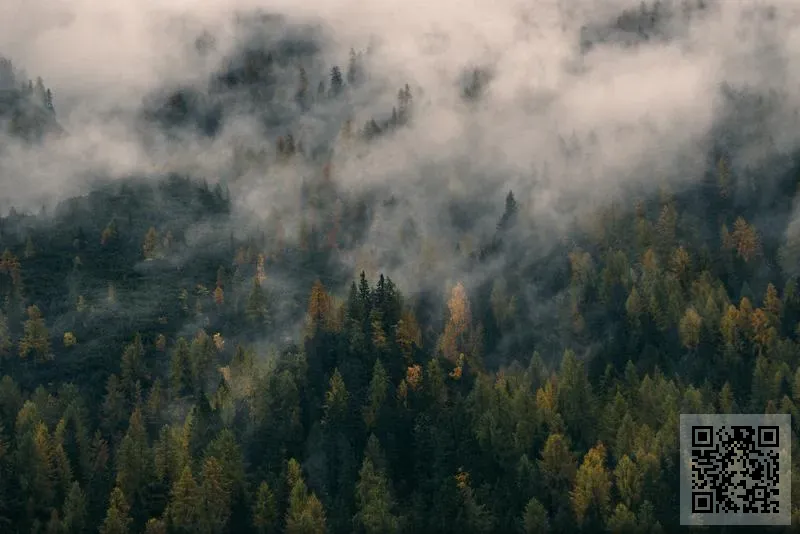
160 379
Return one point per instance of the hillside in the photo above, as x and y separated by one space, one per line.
304 315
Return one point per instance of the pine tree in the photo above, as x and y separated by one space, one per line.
690 328
305 514
472 518
772 305
215 498
265 510
225 449
354 68
183 509
336 400
257 311
75 511
376 396
628 481
36 339
576 401
180 373
374 501
453 340
132 364
509 214
408 335
622 521
301 96
133 460
117 520
535 519
337 83
557 467
320 310
591 495
745 239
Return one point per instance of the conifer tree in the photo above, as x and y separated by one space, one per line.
535 520
117 520
180 372
305 514
265 510
215 498
376 396
591 495
133 460
75 512
472 517
36 339
184 504
374 501
509 213
257 311
337 82
132 364
336 400
454 338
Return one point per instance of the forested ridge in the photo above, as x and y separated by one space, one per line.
169 366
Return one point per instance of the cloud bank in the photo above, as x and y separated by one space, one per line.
563 124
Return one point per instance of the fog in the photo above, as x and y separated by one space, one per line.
564 126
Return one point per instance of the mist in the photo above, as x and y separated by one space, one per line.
576 111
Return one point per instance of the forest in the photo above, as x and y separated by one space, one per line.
166 367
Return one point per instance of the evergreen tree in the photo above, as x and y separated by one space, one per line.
75 512
376 396
337 82
133 460
472 518
336 400
376 507
305 514
36 339
257 311
184 504
535 520
591 495
354 71
180 372
117 519
132 365
215 498
265 510
510 212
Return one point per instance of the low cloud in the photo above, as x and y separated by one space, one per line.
563 124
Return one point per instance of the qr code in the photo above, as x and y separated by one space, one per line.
735 469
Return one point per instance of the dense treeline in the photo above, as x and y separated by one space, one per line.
148 387
26 107
366 423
